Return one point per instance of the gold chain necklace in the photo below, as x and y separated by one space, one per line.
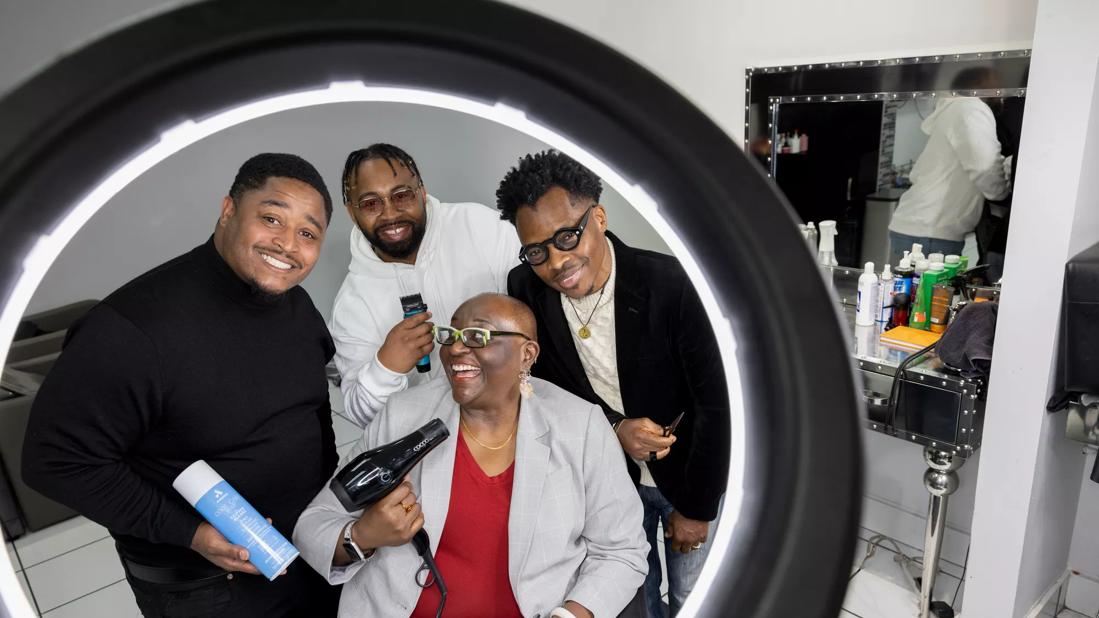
584 331
469 432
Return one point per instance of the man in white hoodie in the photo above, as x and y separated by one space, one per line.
406 242
960 167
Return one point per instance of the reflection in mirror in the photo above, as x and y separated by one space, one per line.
856 141
869 159
174 207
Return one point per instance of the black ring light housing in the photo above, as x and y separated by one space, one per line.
70 126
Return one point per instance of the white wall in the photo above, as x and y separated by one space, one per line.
173 207
1028 484
910 139
702 47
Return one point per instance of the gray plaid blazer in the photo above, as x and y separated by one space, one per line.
574 530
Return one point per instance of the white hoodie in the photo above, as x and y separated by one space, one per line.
466 250
960 166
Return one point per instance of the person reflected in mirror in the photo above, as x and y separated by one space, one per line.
624 328
959 168
528 505
219 355
405 242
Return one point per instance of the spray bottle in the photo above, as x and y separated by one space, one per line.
885 296
917 253
826 253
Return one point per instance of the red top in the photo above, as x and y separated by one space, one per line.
473 549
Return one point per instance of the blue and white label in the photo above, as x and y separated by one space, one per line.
238 521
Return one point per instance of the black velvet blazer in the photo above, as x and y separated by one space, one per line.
668 362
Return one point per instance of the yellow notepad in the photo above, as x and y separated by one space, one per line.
907 338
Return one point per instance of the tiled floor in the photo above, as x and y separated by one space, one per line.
71 570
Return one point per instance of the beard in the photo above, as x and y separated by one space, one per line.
400 249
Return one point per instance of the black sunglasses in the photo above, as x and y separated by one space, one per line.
565 239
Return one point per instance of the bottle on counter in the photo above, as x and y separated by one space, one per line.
814 237
826 251
794 142
964 264
917 253
942 296
953 265
905 257
936 257
919 267
921 307
902 292
867 299
885 296
804 142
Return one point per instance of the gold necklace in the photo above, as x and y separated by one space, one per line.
469 432
584 331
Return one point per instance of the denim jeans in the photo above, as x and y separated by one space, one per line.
899 243
683 569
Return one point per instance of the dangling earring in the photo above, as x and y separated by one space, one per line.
526 389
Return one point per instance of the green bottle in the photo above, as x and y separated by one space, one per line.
921 309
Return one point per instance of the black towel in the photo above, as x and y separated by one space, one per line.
967 343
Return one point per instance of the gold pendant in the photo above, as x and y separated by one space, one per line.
584 332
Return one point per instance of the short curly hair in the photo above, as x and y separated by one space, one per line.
536 174
254 173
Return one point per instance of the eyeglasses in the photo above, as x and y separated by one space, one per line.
402 198
565 239
471 337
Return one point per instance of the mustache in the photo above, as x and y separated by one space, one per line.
281 255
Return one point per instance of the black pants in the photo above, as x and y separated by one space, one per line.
301 592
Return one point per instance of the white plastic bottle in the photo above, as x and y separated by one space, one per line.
826 252
867 303
885 296
917 253
936 258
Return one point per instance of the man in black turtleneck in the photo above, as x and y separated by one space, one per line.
215 355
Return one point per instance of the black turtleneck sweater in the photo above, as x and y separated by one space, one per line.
184 363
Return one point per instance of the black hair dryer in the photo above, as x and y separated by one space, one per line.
372 475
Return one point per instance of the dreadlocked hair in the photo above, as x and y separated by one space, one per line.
536 174
387 152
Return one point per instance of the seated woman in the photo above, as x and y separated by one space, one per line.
528 504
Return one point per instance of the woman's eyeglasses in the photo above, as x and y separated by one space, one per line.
565 239
402 198
471 337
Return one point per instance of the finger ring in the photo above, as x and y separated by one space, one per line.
696 546
652 455
407 507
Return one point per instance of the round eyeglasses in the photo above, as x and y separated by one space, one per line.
402 198
472 337
565 239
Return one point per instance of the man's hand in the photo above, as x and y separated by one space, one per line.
407 342
392 521
685 533
218 550
641 436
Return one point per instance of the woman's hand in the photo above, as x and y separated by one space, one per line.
578 610
391 522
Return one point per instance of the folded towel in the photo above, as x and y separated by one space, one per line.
967 343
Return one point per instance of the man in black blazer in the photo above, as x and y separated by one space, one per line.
624 328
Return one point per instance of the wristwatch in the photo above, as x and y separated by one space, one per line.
351 548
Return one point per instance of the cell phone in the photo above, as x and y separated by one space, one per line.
670 429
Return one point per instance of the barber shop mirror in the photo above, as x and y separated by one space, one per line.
932 138
105 115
